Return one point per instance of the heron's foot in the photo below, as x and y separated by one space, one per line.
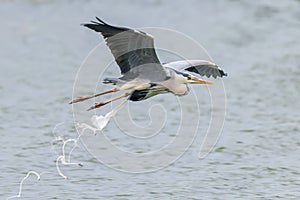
97 105
79 99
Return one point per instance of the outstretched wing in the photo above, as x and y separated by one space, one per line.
202 67
133 50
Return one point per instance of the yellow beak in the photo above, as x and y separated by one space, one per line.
200 81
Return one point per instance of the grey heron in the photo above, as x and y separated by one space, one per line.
143 75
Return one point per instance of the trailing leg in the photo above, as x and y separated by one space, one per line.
83 98
99 104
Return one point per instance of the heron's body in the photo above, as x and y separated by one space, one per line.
143 75
144 89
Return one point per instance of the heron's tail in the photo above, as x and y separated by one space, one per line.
113 81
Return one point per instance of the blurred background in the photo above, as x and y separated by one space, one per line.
256 42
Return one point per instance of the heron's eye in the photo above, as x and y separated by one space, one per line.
189 78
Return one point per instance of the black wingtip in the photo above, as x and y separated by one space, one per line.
222 73
101 21
95 22
105 29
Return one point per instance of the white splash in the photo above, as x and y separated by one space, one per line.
62 158
99 121
22 181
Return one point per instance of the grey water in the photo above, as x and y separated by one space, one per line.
257 154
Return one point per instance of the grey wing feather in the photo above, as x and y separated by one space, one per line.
202 67
133 50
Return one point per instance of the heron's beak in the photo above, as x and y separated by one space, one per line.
200 81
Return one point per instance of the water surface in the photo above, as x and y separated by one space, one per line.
257 156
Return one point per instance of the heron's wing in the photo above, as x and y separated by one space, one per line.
202 67
133 50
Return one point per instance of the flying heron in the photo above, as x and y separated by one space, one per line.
143 75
